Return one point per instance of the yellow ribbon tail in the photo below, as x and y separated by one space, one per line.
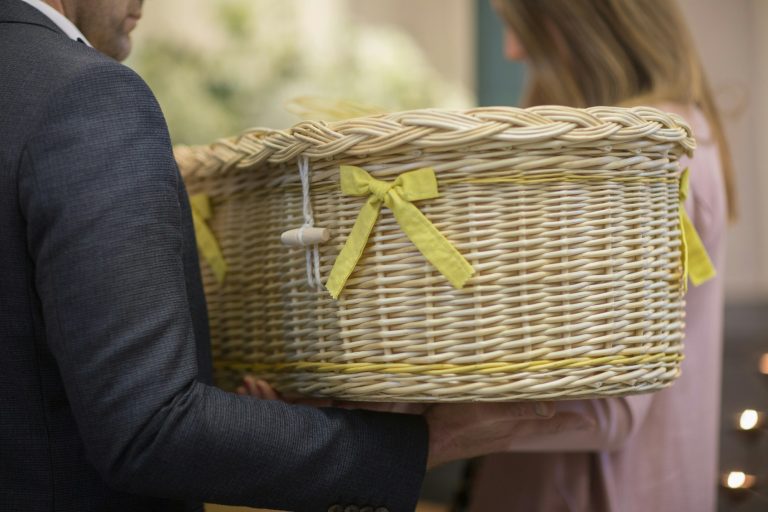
353 249
696 262
697 265
206 240
432 244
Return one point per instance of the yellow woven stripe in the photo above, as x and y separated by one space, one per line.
564 178
527 180
440 369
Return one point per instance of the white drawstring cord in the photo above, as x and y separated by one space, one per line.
312 253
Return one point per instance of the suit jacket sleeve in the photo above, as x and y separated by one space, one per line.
99 190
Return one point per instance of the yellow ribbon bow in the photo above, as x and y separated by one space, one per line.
696 262
398 196
206 241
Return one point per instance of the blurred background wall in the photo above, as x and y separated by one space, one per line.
730 39
221 66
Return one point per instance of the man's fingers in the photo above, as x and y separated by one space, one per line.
267 392
250 386
258 388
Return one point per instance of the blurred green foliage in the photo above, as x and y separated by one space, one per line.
219 67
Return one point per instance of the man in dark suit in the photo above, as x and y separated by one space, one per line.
105 396
105 402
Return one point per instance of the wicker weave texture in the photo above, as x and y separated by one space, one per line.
570 218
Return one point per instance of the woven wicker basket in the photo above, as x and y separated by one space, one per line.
569 217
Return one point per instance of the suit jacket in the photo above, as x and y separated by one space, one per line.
105 402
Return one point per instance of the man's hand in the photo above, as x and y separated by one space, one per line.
260 388
462 431
456 431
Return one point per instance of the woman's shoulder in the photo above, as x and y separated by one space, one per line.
708 203
693 116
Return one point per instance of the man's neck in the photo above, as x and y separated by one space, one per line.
57 13
56 4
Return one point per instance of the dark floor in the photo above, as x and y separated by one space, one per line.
744 387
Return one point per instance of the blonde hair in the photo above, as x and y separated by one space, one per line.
613 52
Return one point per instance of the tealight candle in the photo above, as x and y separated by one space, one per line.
738 480
750 419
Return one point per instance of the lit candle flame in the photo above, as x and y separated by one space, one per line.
736 479
764 364
748 419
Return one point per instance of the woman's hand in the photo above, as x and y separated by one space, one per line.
456 431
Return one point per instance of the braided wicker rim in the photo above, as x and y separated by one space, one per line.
604 317
432 129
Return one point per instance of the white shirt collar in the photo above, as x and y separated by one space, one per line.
59 19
